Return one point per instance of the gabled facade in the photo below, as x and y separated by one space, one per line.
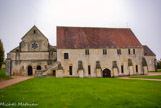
33 53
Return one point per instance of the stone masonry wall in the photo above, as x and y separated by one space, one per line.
76 55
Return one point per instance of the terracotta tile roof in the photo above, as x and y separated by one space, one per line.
86 37
148 51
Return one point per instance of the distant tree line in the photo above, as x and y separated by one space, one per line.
159 64
1 54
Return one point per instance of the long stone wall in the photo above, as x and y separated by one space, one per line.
106 61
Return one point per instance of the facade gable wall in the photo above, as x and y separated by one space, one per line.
34 36
33 51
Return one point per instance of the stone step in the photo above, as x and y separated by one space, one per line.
44 73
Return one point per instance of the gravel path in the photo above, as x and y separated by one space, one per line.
140 79
16 79
149 74
154 73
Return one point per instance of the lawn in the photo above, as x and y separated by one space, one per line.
3 75
85 93
158 70
148 77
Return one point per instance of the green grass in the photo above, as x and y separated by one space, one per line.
85 93
148 77
3 76
158 70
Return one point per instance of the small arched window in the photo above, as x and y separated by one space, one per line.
38 67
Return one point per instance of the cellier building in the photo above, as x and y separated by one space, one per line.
81 52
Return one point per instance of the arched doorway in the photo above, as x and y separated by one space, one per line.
38 67
106 73
30 70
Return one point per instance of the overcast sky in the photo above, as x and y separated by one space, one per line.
142 16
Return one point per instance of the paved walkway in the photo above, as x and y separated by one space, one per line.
149 74
154 73
16 79
140 79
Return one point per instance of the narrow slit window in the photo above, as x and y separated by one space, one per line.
128 51
89 70
122 69
133 51
136 68
34 31
70 70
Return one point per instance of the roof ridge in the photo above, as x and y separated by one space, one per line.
91 27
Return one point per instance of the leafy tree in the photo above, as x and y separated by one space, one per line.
1 54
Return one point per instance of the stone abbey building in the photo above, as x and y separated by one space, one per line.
81 52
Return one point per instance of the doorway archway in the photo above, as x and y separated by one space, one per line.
29 70
106 73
